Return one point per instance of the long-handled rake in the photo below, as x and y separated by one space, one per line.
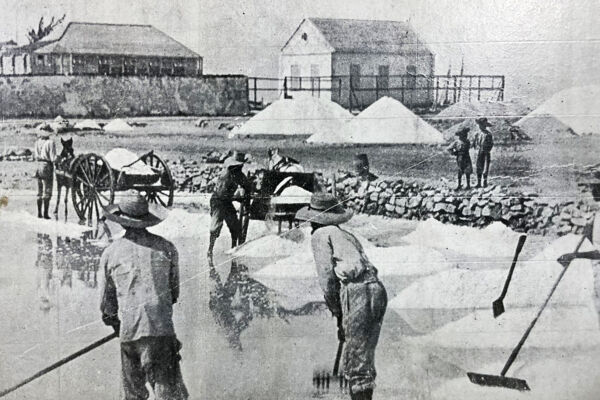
323 380
498 304
516 383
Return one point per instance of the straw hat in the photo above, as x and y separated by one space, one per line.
132 212
324 209
237 159
463 132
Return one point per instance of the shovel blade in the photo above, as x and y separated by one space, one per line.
498 307
498 381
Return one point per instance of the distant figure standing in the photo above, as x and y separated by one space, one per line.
141 284
484 144
361 167
460 148
353 292
45 155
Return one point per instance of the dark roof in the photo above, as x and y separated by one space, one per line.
8 43
28 47
111 39
370 36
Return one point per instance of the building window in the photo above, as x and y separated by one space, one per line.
103 66
295 76
154 68
179 68
411 82
315 77
129 67
383 77
40 59
355 76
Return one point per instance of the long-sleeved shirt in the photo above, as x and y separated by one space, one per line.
228 182
484 141
141 283
44 150
340 258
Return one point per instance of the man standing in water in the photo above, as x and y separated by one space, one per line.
353 293
141 284
44 153
221 201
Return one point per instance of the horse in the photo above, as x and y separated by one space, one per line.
281 163
63 171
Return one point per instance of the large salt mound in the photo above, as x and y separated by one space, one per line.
554 329
389 121
88 124
494 241
576 108
545 127
303 115
489 109
118 125
530 284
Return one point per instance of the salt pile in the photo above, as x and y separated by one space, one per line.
120 159
530 284
494 241
118 125
292 195
302 115
339 136
389 121
554 329
475 109
575 108
407 260
276 246
88 124
26 221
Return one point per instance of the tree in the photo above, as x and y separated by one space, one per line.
44 30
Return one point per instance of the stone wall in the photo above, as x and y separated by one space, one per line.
108 97
400 198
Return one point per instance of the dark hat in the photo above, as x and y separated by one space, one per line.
132 212
463 132
324 209
237 159
483 122
361 167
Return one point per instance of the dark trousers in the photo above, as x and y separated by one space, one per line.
363 308
222 210
154 360
45 179
483 164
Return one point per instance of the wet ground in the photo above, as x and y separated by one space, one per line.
239 342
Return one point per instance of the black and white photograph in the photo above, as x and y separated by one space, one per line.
299 199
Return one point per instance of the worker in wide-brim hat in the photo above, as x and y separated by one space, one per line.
460 148
361 167
44 153
139 287
484 143
221 202
352 290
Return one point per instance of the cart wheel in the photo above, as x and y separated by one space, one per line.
165 191
92 187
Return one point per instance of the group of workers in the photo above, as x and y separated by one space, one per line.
483 143
140 268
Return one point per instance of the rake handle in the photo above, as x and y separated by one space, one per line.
338 356
517 349
512 267
60 363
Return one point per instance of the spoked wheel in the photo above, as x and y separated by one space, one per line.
164 191
93 187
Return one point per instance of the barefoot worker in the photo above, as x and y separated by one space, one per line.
353 292
140 285
221 201
44 153
460 148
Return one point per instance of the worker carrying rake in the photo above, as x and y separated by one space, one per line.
221 201
141 284
353 292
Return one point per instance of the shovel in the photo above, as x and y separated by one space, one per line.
498 304
516 383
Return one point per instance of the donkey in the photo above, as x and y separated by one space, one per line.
281 163
63 171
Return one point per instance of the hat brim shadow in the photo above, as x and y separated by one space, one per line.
323 217
114 214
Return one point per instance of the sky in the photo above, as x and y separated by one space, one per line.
542 46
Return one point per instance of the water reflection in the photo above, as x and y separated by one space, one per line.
235 302
44 263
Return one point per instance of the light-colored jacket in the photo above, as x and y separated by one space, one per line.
44 150
140 274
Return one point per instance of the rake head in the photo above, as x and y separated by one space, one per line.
324 382
498 381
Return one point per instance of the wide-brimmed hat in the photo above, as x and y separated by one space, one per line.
483 122
236 159
132 212
463 132
361 167
324 209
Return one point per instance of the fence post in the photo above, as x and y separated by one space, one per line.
285 92
376 89
340 89
502 89
350 93
300 83
454 89
470 86
479 88
437 90
255 92
402 88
